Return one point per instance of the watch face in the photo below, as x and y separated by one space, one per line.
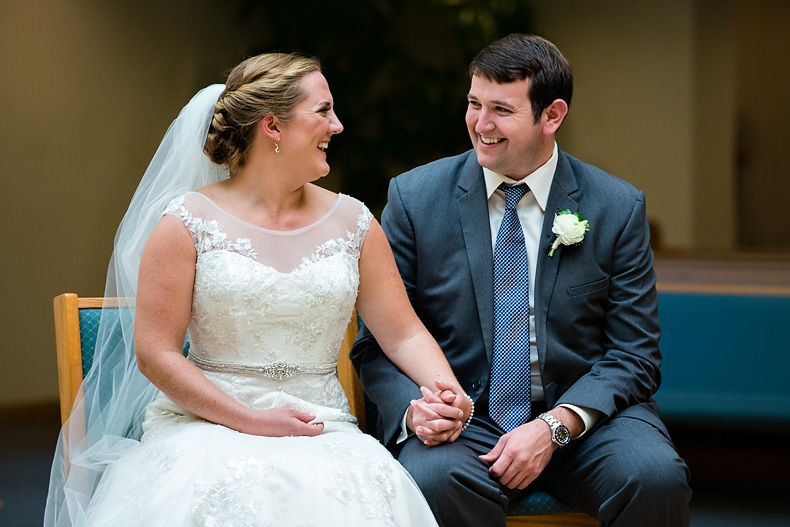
562 435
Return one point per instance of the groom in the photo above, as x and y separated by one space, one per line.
555 340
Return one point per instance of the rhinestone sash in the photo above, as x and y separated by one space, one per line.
274 370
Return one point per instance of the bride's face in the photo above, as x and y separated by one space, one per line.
305 138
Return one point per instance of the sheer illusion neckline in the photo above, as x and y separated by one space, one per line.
316 223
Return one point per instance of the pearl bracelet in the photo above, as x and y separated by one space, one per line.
471 413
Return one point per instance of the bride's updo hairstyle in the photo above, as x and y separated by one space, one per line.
267 84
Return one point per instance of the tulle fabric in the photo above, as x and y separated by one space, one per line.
102 429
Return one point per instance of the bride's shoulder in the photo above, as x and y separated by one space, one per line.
212 191
323 198
355 214
349 206
329 200
327 203
186 203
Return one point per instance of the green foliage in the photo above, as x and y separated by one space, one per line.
397 71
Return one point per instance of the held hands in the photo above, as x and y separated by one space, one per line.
439 416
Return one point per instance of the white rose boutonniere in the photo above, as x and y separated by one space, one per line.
570 229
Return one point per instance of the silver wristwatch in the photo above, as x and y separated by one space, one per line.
559 432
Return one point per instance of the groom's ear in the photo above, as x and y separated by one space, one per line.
554 115
270 126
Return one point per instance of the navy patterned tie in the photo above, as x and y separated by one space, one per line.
510 390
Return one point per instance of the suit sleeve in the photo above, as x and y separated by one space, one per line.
385 385
628 373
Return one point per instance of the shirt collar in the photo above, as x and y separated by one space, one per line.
539 181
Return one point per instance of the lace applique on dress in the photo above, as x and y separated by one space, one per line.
154 466
231 500
369 480
351 244
208 235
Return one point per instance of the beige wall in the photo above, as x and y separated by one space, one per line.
715 213
88 88
763 82
637 108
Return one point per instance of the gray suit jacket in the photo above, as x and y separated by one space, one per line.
596 309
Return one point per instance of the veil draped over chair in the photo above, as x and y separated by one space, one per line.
107 417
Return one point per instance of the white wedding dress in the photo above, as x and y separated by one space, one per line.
269 312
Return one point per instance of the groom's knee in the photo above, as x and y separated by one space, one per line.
652 481
433 468
661 488
453 478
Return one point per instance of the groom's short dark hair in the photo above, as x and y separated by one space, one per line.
519 56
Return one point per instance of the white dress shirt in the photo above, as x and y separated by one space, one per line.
531 210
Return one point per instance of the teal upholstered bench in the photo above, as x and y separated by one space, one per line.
726 357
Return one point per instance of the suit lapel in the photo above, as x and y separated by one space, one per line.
473 215
563 186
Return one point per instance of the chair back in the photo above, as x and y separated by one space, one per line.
77 325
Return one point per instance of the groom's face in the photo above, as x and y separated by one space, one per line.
503 130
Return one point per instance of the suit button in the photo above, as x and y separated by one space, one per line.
476 385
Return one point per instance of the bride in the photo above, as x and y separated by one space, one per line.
263 269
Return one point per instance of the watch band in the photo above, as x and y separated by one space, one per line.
560 434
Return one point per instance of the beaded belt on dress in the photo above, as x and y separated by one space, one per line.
275 370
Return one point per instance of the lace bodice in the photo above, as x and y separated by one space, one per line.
269 311
264 298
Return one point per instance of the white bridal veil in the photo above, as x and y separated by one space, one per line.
107 416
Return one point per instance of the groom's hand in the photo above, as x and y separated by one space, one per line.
521 455
433 418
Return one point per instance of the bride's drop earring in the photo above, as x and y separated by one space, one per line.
276 148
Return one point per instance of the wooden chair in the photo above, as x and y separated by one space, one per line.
76 323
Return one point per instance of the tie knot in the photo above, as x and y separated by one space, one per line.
513 194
